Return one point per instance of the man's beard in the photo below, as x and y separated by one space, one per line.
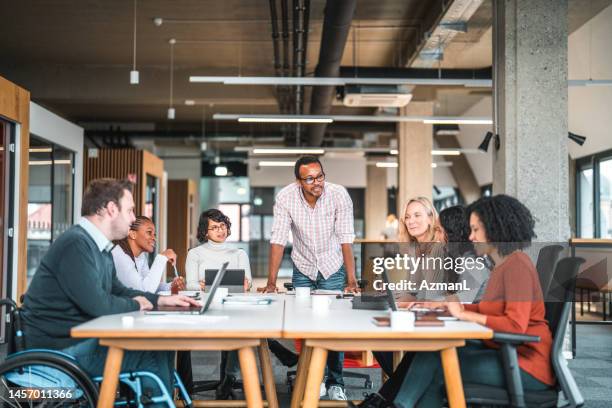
119 231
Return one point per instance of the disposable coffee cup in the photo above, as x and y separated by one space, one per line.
402 321
302 292
320 304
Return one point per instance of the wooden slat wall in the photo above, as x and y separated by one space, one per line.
15 107
119 164
177 225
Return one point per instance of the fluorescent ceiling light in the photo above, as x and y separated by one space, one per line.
443 152
394 151
589 82
276 164
287 151
271 119
458 121
48 162
334 81
462 120
387 164
40 150
189 102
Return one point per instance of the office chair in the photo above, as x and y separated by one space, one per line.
545 265
45 368
558 309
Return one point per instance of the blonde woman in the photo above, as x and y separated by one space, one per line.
419 222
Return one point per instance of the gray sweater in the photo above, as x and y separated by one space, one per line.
74 283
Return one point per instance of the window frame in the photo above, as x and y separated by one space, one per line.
593 161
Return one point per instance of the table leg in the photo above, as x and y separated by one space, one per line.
315 376
112 369
250 377
452 378
300 377
268 374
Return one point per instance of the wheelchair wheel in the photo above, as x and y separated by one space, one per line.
41 379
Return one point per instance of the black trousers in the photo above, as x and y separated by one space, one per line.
183 368
391 387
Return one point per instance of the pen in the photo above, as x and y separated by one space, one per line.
176 274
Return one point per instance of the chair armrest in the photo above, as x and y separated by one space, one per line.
513 338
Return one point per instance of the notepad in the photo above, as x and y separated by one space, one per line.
246 300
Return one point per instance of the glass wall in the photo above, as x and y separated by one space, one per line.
605 198
50 198
594 196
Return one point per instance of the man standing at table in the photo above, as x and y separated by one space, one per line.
76 282
320 218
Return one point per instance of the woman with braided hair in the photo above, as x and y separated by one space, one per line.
131 257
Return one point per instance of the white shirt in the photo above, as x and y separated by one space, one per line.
212 255
136 273
317 232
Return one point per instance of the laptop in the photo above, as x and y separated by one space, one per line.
162 310
390 295
233 279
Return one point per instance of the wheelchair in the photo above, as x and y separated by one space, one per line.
44 377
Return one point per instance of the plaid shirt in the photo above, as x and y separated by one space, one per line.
317 232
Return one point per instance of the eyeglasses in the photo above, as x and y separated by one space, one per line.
218 228
310 180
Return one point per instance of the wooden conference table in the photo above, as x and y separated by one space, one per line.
222 327
343 329
241 328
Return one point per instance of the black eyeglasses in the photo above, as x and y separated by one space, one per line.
310 180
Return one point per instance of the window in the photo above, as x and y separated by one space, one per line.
50 198
594 196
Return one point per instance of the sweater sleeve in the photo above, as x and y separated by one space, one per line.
517 299
78 274
243 263
191 270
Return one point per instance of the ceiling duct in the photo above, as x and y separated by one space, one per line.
453 21
336 27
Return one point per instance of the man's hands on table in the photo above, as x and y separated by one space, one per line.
177 300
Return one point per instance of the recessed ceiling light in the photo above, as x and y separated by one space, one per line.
189 102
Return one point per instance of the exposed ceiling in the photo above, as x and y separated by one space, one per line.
75 55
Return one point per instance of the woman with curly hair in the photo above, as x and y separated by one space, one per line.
501 227
213 229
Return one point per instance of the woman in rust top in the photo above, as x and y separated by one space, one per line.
500 227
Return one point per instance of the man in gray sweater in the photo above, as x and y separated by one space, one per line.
76 282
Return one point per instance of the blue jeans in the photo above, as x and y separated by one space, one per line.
423 386
91 357
336 281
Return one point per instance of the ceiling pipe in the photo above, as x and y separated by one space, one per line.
301 15
282 92
336 27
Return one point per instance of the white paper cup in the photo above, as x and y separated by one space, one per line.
302 292
402 321
320 304
220 293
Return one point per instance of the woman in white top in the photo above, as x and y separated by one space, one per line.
131 256
213 230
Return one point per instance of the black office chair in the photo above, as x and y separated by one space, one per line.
558 309
545 265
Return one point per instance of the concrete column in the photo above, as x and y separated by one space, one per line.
415 141
375 201
530 73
